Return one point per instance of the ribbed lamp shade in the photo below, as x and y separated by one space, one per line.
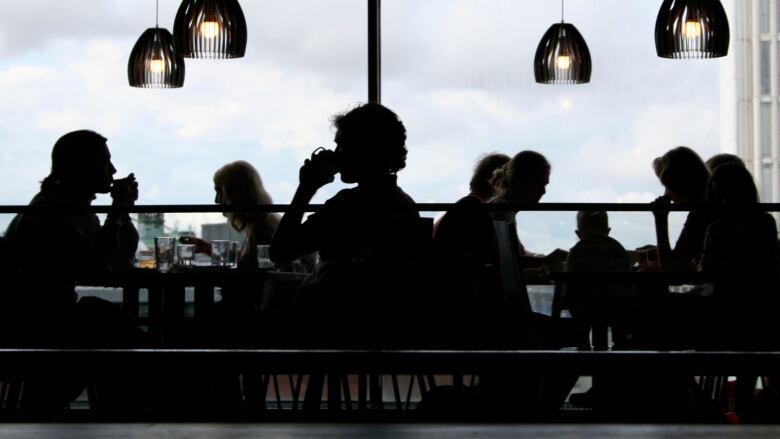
694 29
562 56
154 63
214 29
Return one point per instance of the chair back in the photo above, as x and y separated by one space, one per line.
510 267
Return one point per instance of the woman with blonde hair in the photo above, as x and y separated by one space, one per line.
239 183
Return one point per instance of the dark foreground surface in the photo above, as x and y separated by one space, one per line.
239 431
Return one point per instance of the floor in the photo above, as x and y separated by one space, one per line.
268 431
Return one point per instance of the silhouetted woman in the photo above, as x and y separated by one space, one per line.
524 181
741 240
240 183
684 176
458 232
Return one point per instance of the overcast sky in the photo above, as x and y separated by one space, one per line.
458 72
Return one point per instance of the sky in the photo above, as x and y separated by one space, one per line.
459 73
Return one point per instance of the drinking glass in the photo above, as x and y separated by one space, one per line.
234 253
185 254
219 253
263 258
163 253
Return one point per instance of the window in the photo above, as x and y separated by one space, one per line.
461 75
766 184
763 15
765 68
766 130
306 60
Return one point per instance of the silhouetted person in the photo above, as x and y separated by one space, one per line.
49 248
464 239
363 234
596 302
45 245
721 159
741 242
740 246
684 176
524 180
239 183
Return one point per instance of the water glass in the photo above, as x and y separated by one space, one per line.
219 253
163 253
185 253
234 253
263 257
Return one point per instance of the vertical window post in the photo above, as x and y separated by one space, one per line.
374 51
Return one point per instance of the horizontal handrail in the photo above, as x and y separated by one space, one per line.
420 207
355 361
149 277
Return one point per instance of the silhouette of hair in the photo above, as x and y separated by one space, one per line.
732 184
73 156
525 167
587 220
721 159
241 184
380 134
683 172
482 180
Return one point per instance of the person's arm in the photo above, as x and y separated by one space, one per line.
118 235
666 261
292 239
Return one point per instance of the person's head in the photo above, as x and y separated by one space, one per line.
81 162
732 184
524 178
370 143
481 183
592 223
721 159
239 183
683 174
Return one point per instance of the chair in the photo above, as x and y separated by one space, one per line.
514 291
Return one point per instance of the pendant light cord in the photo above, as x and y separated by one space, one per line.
157 14
562 11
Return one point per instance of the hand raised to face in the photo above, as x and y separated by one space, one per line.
319 170
124 191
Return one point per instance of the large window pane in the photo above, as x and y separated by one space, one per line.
765 69
766 130
305 61
460 74
766 184
763 15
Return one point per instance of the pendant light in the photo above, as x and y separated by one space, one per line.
562 56
213 29
154 62
694 29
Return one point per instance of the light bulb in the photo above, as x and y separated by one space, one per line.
157 65
209 29
692 29
563 62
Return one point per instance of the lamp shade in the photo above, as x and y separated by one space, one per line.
692 29
562 56
213 29
154 63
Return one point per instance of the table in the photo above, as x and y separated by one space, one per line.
166 291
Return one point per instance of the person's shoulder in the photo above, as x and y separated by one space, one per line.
598 244
343 196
